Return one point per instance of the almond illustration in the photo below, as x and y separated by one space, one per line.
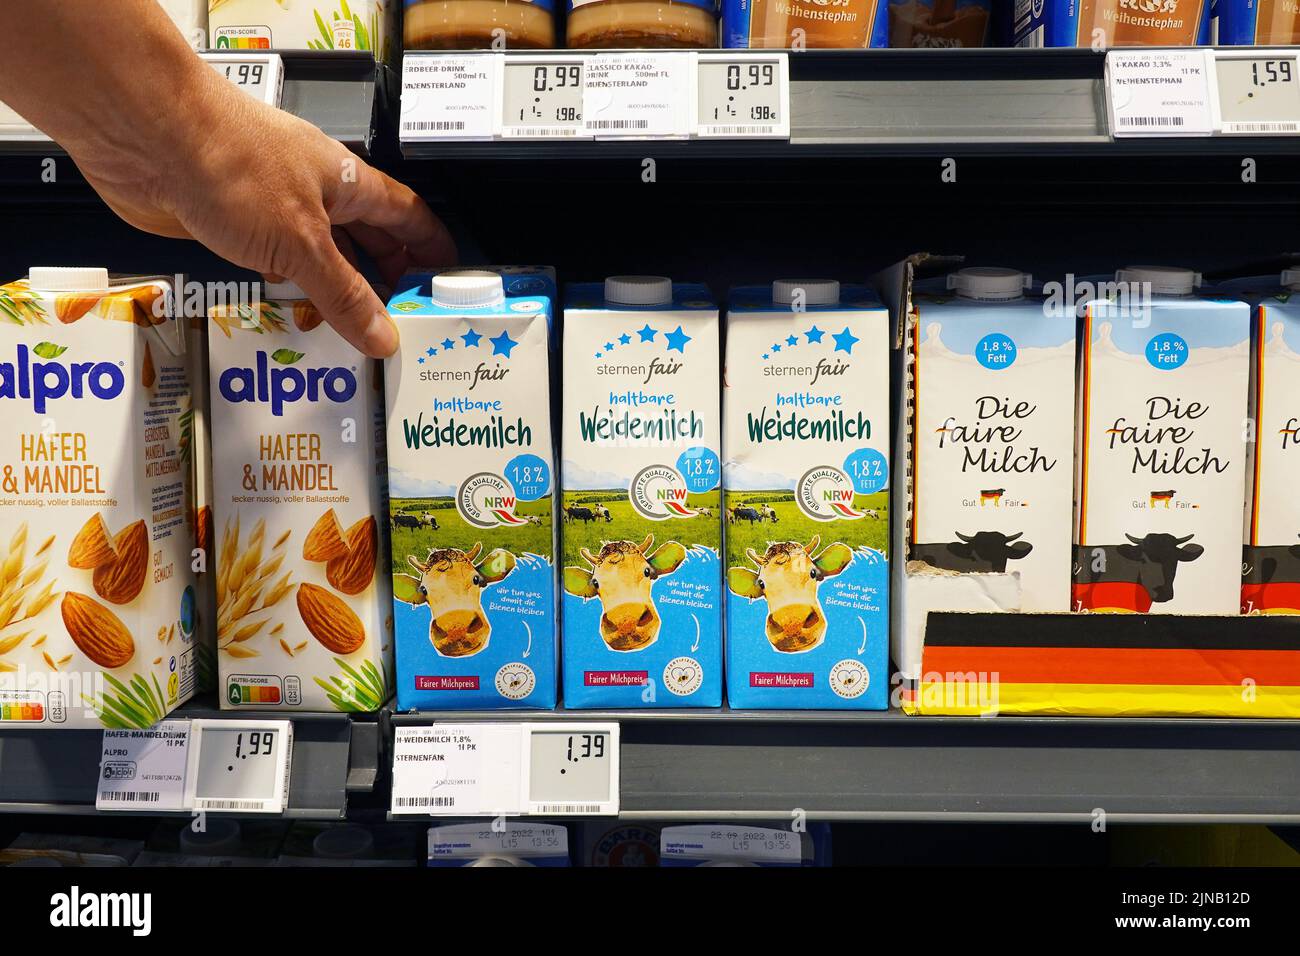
96 630
353 572
119 581
325 539
74 305
93 546
330 620
203 528
148 375
305 316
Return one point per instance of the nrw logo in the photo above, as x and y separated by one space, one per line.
40 381
77 909
286 384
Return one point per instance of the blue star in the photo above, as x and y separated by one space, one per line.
677 340
791 341
814 335
421 359
845 341
647 334
448 345
502 344
625 339
597 355
609 346
430 351
776 347
765 356
471 339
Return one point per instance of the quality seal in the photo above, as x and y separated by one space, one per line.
659 492
487 500
825 493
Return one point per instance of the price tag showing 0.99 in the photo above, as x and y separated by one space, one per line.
541 97
742 96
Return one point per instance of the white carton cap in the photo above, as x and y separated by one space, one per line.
989 283
282 291
815 291
639 290
345 842
1164 280
1291 278
65 279
467 288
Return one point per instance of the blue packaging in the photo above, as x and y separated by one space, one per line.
1257 22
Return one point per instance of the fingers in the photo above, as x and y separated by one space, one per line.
343 297
397 218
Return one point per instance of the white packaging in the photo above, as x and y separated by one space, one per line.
370 25
191 18
522 844
303 614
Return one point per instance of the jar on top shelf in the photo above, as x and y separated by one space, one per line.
476 24
642 24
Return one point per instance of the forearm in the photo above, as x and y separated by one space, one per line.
102 79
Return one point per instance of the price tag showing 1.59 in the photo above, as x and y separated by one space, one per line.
541 97
742 96
1258 92
261 75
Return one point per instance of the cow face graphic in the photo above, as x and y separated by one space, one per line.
1156 557
788 574
451 582
622 576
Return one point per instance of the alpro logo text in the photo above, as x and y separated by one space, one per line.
77 909
286 384
40 381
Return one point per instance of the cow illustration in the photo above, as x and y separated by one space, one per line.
601 513
704 512
1270 579
992 494
403 519
1130 577
533 520
429 520
981 551
622 575
451 582
579 513
745 513
1161 496
871 513
787 574
767 514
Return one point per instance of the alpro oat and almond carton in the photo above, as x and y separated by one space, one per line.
806 496
471 475
1162 429
303 618
640 479
97 605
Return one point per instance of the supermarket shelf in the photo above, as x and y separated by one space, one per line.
336 91
712 765
54 771
868 103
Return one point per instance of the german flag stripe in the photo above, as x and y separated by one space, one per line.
1066 666
1154 631
1107 700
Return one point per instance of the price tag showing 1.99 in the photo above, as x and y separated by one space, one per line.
260 75
541 97
239 766
742 96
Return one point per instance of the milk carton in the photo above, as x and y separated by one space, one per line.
303 613
806 440
1271 563
989 436
522 844
97 604
640 476
471 467
370 25
1161 457
196 421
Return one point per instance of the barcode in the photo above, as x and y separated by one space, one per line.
408 802
533 132
432 126
568 808
230 805
736 130
1283 127
1151 121
130 796
620 124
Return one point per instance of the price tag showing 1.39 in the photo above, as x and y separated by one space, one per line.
541 97
742 96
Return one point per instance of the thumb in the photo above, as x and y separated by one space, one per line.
344 298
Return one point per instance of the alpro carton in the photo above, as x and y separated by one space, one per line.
989 438
640 476
370 25
1163 380
198 498
303 617
471 475
1271 562
806 496
97 605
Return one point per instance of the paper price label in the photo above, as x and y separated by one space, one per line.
449 96
541 97
1164 92
260 75
637 95
144 769
742 96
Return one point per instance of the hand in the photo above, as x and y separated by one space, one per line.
272 193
